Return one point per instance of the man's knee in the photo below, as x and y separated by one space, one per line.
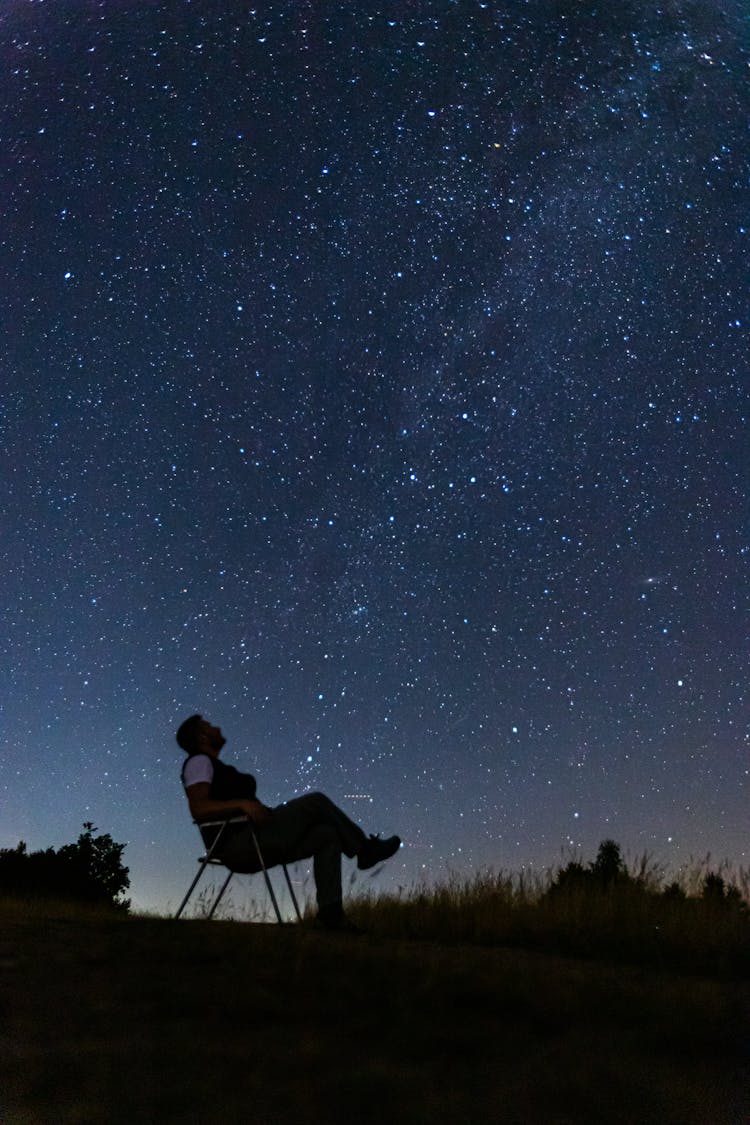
316 802
318 798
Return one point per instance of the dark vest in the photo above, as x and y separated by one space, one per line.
226 783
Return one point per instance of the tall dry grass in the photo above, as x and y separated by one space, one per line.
643 918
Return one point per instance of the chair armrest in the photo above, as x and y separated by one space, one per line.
216 823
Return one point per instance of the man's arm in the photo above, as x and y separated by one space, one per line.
202 806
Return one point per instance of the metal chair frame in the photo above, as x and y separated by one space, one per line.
210 859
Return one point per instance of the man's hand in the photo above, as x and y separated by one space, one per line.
257 811
203 808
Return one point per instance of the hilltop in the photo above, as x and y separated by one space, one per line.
130 1019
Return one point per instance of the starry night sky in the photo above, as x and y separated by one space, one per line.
374 382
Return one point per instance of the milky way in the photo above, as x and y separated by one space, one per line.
375 384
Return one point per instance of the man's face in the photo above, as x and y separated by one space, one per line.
211 737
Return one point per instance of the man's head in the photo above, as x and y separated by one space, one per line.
197 736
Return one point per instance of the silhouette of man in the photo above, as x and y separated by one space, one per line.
303 827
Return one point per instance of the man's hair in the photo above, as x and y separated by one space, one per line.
187 733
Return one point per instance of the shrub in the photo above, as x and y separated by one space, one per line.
89 871
607 870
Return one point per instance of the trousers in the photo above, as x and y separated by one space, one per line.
308 826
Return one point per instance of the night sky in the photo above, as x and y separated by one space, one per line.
374 382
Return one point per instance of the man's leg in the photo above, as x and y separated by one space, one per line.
308 826
295 818
312 826
322 844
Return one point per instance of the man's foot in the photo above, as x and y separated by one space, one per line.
343 925
333 918
376 850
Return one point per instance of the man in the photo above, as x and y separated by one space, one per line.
306 826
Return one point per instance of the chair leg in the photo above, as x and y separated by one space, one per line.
266 876
202 867
220 895
291 892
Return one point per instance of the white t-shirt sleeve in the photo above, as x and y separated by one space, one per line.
197 769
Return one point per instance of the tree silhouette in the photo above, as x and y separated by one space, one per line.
607 870
91 870
609 866
720 895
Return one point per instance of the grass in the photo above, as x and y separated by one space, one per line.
638 920
437 1015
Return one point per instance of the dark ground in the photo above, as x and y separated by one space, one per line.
114 1019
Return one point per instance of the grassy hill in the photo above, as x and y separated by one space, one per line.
139 1020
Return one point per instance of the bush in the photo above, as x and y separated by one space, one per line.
89 871
608 870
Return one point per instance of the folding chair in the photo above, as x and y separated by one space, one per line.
211 859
